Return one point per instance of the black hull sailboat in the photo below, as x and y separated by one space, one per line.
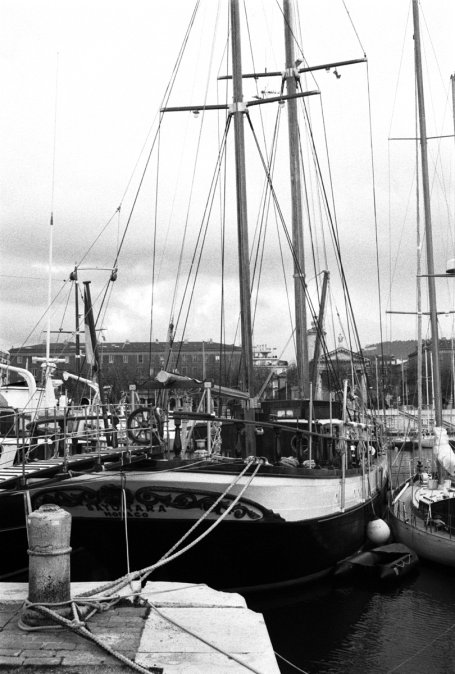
259 511
260 542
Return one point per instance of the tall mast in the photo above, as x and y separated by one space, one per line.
427 213
296 204
238 109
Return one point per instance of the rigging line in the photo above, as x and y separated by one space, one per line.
155 229
84 257
263 221
421 12
332 222
48 308
354 28
193 178
281 218
293 252
197 254
167 92
165 98
310 219
399 67
331 218
65 310
381 329
394 270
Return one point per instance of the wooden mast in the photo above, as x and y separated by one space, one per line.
238 110
427 213
296 204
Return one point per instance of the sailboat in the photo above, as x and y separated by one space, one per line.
422 511
240 517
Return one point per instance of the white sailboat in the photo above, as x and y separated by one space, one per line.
265 518
422 511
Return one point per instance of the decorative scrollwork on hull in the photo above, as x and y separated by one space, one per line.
147 502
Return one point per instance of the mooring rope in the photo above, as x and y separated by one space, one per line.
200 638
144 573
79 627
101 599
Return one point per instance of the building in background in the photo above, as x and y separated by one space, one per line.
126 363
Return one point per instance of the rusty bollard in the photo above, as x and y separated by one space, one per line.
49 531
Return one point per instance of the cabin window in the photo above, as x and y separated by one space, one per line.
19 359
281 414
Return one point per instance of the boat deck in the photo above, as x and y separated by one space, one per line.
22 474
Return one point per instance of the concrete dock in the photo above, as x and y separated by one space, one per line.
175 628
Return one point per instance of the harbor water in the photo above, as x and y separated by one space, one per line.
408 628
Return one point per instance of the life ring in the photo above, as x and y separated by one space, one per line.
294 442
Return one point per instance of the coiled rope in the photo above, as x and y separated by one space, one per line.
107 591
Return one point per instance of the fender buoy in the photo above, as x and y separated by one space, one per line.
378 531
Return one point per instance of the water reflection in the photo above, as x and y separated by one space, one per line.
366 630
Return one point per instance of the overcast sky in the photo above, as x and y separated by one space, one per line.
81 84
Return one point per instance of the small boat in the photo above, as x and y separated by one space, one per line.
386 562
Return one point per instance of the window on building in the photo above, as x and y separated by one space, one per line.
140 357
111 358
19 359
125 357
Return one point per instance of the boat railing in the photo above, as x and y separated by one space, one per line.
432 523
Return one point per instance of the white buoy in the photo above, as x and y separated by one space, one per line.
378 531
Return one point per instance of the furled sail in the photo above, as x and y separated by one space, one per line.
442 450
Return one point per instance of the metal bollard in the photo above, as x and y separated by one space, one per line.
49 530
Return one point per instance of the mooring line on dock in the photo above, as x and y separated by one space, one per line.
200 638
291 664
101 598
79 627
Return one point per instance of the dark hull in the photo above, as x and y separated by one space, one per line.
234 555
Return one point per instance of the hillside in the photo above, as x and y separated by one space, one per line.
398 348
